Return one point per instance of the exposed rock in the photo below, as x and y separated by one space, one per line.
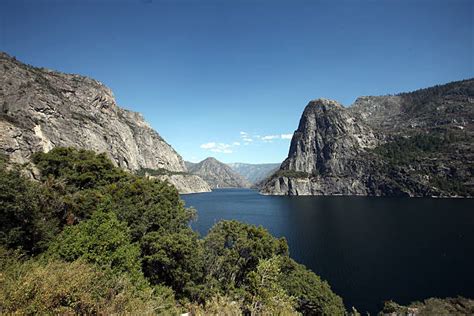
408 145
41 109
217 174
254 173
186 184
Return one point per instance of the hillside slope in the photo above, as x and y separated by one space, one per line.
41 109
254 173
217 174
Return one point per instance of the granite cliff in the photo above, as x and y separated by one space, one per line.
217 174
411 144
41 109
187 183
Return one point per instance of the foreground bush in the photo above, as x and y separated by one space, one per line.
112 237
314 296
233 249
217 305
235 252
29 213
174 260
101 240
267 297
58 287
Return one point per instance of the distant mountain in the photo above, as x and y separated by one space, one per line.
189 164
41 109
419 143
217 174
254 173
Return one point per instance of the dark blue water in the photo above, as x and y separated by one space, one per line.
368 249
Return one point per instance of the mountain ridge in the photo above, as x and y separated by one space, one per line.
411 144
41 109
217 174
254 173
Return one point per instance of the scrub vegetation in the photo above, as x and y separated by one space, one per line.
89 238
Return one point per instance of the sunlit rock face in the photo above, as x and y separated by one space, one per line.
350 151
217 174
41 109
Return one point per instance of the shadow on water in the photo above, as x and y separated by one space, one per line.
369 249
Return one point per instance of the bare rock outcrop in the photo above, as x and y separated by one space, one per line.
187 183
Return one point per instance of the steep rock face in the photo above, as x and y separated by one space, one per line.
41 109
325 153
217 174
412 144
327 138
186 184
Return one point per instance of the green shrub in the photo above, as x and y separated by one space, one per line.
291 174
29 212
101 240
158 172
79 168
146 205
217 305
80 205
59 287
113 229
314 296
234 249
267 297
175 260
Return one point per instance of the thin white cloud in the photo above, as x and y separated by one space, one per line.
208 145
246 138
269 138
218 147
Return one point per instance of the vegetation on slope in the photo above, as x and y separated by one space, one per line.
159 172
89 238
431 306
291 174
421 100
441 158
31 286
406 149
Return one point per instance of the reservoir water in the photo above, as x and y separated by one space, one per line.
370 249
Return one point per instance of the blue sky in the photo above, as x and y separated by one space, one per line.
230 79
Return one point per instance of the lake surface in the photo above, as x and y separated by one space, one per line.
369 249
